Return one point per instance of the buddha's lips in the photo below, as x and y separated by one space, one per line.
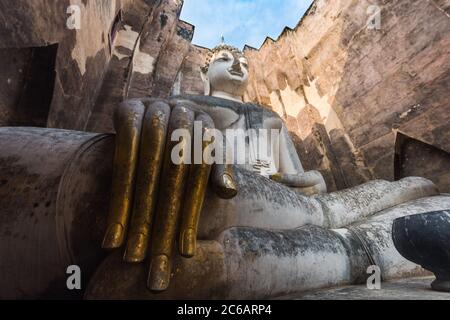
236 73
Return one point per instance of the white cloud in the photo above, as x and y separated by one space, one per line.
241 21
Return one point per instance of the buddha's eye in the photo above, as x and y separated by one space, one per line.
223 59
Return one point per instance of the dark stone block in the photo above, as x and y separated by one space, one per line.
425 240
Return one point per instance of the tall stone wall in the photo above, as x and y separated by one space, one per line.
122 49
346 89
189 80
37 30
148 51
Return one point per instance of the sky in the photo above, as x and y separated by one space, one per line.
241 22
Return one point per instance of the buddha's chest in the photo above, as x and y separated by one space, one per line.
252 133
253 143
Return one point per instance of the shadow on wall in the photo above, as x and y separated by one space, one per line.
393 80
345 91
417 158
26 90
77 68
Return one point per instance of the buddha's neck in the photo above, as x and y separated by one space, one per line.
225 95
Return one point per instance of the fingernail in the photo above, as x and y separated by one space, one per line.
136 249
229 190
114 237
188 243
159 276
276 177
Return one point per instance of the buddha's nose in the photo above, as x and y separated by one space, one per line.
236 67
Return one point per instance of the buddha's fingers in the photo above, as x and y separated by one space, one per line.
309 183
195 194
300 180
174 174
151 154
128 124
223 181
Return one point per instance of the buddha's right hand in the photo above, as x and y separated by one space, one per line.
152 197
308 183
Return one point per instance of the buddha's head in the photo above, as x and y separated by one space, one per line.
225 73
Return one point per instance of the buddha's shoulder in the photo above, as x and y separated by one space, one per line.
239 108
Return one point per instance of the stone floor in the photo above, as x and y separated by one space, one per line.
405 289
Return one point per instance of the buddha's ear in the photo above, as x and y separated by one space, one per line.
206 83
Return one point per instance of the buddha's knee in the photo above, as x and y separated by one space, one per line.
259 203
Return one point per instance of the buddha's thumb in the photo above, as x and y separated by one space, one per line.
223 181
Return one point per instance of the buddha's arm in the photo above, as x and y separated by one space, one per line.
291 172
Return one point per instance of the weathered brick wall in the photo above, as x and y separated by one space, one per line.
345 90
149 48
124 49
80 65
153 54
189 80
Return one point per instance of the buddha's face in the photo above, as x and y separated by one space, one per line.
228 72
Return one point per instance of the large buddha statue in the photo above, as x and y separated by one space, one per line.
207 198
256 229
